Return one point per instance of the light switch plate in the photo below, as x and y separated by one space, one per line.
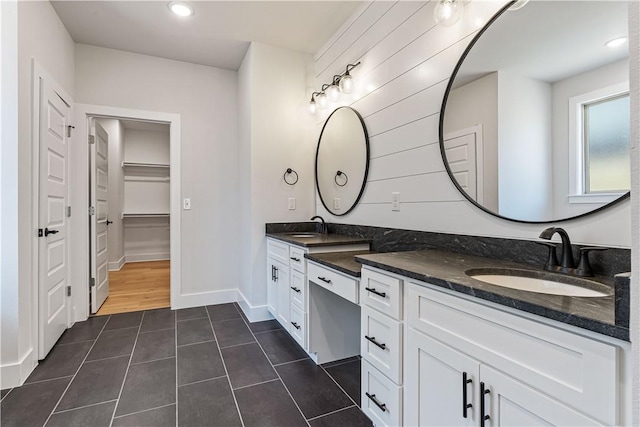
395 201
336 203
186 204
292 203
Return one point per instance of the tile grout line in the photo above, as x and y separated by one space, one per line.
202 381
191 343
339 386
261 382
332 412
41 381
144 410
124 380
188 320
224 365
76 373
340 363
107 358
277 373
156 330
291 361
239 345
84 406
149 361
74 342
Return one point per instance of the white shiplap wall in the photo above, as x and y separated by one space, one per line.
406 63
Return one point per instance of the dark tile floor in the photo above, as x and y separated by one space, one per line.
203 366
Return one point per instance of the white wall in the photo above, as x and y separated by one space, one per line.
206 100
146 146
115 243
590 81
525 148
274 135
406 63
40 35
462 114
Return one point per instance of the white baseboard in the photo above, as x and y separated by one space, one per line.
205 298
163 256
117 265
15 374
255 313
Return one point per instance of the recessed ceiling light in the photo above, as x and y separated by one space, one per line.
616 42
180 8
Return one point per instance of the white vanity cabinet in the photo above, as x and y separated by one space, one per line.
463 362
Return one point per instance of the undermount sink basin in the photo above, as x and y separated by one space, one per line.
540 282
304 235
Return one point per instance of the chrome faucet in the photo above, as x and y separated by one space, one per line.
323 227
567 263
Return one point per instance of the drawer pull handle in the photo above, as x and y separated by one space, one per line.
382 406
373 340
295 259
324 279
295 325
465 405
373 291
295 289
483 417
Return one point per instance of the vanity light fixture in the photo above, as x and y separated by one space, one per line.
181 8
341 83
448 12
617 42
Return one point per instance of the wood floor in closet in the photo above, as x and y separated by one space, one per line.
138 286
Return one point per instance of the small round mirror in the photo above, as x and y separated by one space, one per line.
342 161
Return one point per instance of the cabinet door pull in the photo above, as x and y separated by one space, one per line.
373 340
295 259
295 325
324 279
382 406
273 273
483 416
373 291
295 289
276 268
465 405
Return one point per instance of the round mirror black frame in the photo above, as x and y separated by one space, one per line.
366 167
441 135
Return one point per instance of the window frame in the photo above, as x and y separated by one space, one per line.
577 147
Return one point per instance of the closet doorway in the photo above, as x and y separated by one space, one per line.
130 230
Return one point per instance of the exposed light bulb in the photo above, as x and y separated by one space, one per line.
181 9
346 83
313 107
333 92
616 42
321 100
448 12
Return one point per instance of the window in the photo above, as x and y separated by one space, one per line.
599 127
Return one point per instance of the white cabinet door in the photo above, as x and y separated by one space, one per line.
282 283
272 287
440 384
512 403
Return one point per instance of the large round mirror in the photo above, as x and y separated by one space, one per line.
342 161
535 125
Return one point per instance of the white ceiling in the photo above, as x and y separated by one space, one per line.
549 41
218 34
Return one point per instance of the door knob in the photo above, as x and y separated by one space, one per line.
47 232
109 222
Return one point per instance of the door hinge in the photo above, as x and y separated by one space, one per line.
92 282
69 127
92 210
68 211
68 291
92 139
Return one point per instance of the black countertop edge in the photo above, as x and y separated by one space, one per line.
320 259
320 241
603 328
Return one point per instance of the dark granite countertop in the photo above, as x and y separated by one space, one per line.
447 270
344 262
318 239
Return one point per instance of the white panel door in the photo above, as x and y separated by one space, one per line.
441 384
464 156
53 266
99 196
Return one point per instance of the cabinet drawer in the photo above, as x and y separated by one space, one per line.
298 326
382 292
381 399
573 369
278 250
298 289
344 286
296 259
381 343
